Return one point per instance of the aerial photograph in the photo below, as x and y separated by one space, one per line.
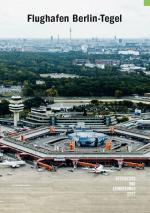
75 106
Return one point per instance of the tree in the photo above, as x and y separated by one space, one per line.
84 112
127 103
52 92
118 93
26 83
33 102
123 119
4 107
95 102
28 91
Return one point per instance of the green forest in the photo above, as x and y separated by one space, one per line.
24 68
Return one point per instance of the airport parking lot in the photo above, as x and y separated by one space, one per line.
26 190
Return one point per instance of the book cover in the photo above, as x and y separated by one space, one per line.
74 106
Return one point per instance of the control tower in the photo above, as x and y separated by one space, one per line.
16 106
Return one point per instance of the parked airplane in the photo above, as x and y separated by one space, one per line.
13 164
100 170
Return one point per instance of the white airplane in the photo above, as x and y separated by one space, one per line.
100 170
13 164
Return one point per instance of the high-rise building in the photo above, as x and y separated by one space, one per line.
52 38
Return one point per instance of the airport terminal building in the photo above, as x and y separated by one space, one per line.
44 116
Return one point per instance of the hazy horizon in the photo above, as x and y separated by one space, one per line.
67 38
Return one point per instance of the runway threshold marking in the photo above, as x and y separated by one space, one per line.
21 185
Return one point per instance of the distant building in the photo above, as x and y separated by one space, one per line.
128 52
147 72
90 65
84 48
10 89
107 62
131 68
120 41
100 66
147 94
39 82
95 50
137 112
58 75
81 62
55 50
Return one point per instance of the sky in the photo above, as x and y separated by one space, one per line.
13 18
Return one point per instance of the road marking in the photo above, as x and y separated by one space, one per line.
21 185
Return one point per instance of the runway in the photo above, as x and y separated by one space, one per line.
29 191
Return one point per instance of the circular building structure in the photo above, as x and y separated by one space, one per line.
87 138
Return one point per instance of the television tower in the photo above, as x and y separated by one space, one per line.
70 31
16 106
